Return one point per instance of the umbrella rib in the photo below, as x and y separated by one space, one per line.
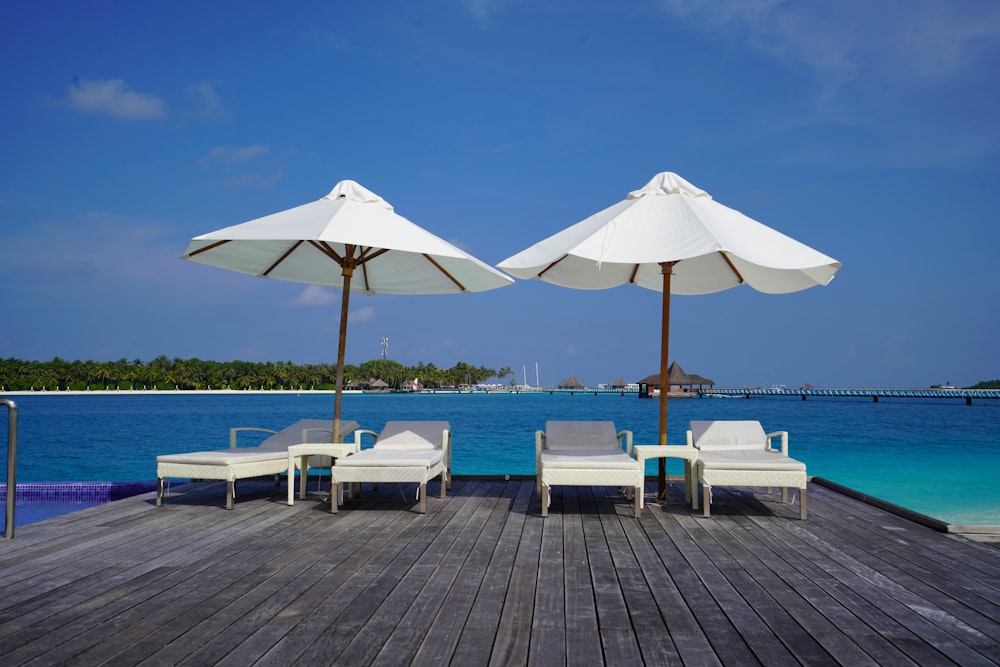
281 259
327 250
364 258
367 258
635 272
545 270
209 247
440 268
732 267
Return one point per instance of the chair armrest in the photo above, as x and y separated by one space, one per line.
446 448
539 441
784 441
627 435
357 437
234 431
690 437
307 431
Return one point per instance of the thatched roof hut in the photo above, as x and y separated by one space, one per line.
677 377
571 383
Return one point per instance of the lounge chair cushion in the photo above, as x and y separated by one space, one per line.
588 460
748 460
405 458
728 435
320 430
222 457
411 434
582 436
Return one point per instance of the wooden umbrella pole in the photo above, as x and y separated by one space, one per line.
341 347
666 268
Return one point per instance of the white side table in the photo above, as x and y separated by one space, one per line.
689 454
302 452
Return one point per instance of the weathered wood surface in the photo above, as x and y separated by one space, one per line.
483 579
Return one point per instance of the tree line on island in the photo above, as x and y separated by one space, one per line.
164 373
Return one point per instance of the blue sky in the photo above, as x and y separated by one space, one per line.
866 130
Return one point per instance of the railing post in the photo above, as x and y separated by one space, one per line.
11 466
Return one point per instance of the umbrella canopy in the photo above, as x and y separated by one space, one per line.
352 239
672 237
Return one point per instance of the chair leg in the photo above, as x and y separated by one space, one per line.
784 494
423 497
335 494
159 492
707 500
445 482
802 504
687 482
230 494
638 502
545 500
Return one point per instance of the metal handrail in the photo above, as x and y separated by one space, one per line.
11 465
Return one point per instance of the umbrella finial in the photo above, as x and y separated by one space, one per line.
354 191
668 183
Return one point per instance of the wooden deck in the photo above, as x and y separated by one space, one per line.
483 579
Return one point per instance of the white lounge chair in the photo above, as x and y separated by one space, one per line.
268 458
739 453
585 453
404 451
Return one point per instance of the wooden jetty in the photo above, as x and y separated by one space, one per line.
482 579
873 393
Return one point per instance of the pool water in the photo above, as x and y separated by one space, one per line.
28 513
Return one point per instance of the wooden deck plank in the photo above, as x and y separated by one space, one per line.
920 589
618 637
582 633
312 612
688 642
651 632
203 613
443 636
394 633
920 638
482 578
513 633
372 582
800 577
477 639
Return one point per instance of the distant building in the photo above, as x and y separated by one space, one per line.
571 383
678 379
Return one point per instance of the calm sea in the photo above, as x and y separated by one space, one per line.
939 457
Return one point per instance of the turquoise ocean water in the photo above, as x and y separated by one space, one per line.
939 457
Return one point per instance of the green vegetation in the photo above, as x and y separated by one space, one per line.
164 374
986 384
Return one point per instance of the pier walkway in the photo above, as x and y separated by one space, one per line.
483 579
874 393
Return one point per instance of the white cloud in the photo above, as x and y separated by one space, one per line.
235 154
111 97
915 41
315 295
262 181
360 315
208 99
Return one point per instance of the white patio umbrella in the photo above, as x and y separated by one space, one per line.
672 237
350 239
